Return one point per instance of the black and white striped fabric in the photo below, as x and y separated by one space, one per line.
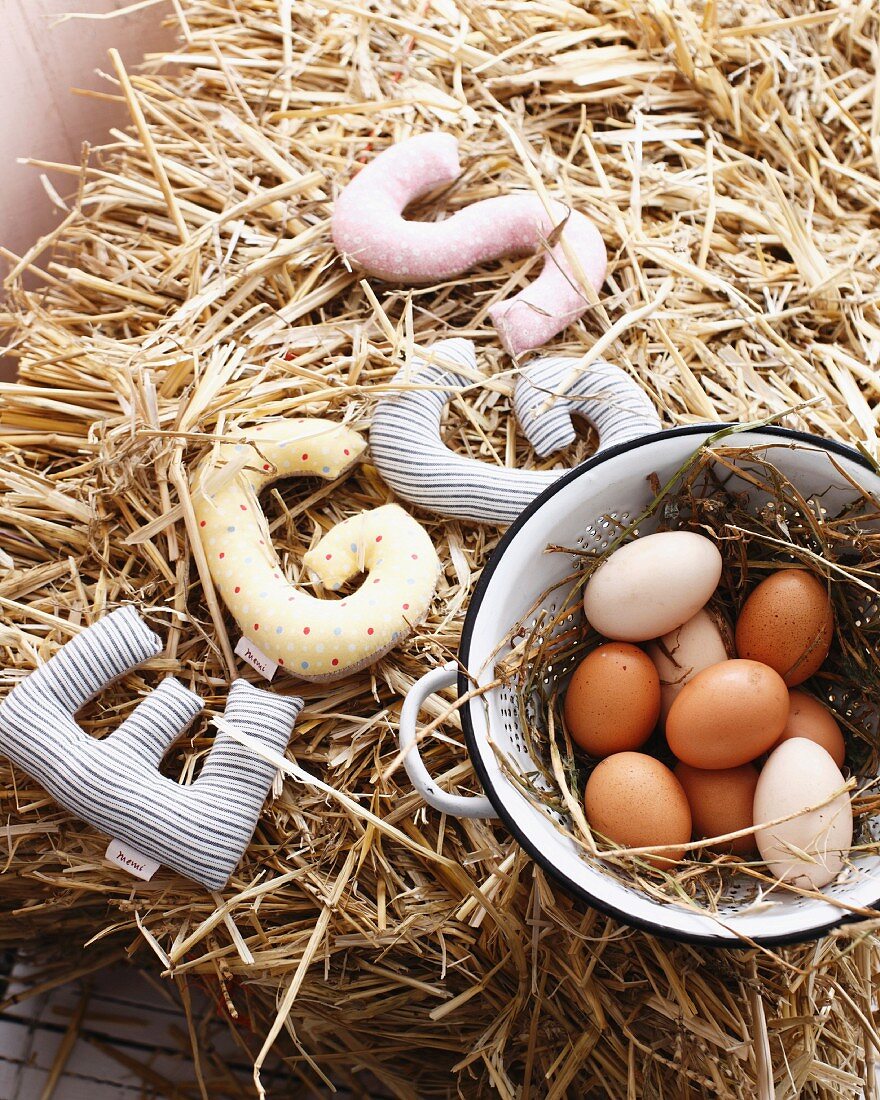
552 390
200 830
409 453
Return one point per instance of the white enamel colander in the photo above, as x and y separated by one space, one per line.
582 510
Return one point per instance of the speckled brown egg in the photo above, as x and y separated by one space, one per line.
613 699
787 623
808 718
727 715
721 802
636 802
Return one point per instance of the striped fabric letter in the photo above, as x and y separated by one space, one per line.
200 830
408 449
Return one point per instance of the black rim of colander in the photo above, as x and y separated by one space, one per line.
572 888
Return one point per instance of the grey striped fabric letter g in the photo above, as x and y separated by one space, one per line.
200 830
409 452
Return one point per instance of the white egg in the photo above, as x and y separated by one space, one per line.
799 774
652 585
679 655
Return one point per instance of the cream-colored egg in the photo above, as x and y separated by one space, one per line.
800 774
652 585
679 655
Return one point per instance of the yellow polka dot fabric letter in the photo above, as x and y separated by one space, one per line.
314 639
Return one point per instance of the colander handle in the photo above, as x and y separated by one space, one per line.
456 804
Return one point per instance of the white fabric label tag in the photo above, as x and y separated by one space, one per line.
256 658
132 861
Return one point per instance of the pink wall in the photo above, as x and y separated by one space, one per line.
39 117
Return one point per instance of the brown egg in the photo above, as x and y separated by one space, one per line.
809 718
635 801
787 623
727 715
613 699
721 802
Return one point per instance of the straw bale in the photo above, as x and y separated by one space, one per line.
730 154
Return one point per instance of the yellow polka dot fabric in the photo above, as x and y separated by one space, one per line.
315 639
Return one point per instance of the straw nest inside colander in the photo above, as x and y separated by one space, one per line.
729 155
762 521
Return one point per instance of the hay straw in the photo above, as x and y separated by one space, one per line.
730 155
